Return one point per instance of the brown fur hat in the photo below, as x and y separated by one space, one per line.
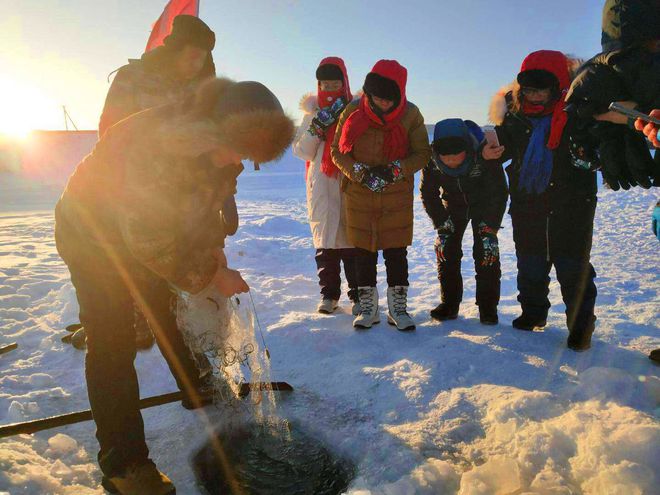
248 118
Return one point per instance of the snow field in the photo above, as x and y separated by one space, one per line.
452 408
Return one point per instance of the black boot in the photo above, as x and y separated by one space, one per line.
579 338
444 311
488 315
655 356
529 322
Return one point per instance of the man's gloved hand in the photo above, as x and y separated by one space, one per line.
655 220
612 153
445 231
491 247
325 118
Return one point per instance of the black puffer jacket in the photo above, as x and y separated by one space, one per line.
570 187
479 195
629 74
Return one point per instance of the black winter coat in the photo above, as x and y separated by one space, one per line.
559 221
479 195
570 187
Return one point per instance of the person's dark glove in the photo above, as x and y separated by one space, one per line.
445 231
325 118
491 247
377 179
593 89
612 155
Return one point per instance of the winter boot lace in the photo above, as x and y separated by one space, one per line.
397 301
327 306
368 308
140 479
445 311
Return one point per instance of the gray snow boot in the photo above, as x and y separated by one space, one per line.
327 306
397 301
368 308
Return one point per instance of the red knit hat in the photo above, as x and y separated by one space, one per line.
556 64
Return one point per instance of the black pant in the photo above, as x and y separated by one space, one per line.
106 288
396 264
449 271
576 279
328 265
562 239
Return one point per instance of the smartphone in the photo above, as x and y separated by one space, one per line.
633 114
491 136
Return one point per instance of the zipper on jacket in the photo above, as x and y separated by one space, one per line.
467 213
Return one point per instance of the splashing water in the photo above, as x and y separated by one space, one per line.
255 452
220 332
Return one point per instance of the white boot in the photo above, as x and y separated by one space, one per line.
397 300
355 308
368 308
327 306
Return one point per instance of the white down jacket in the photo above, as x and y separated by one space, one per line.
324 197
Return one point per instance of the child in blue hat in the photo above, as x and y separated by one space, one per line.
458 188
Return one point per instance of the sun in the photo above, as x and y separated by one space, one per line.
23 108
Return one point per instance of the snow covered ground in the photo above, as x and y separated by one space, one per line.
450 408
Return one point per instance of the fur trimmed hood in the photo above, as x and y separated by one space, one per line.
498 104
309 103
244 116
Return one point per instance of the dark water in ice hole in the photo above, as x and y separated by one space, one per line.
268 460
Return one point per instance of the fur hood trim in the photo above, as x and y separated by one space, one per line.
259 134
188 138
498 105
309 103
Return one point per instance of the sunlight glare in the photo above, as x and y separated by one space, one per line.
23 108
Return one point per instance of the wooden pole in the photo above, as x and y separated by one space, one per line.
34 426
9 347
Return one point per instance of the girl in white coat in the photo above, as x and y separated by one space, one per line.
324 197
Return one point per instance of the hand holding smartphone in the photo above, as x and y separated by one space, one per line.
633 114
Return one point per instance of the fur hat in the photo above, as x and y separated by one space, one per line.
382 87
247 117
329 72
538 78
627 22
190 30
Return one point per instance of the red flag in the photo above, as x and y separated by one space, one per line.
163 26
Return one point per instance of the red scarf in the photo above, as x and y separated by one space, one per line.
395 142
325 100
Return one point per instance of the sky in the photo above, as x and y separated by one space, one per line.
458 52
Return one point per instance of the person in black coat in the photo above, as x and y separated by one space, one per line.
457 187
553 196
627 71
